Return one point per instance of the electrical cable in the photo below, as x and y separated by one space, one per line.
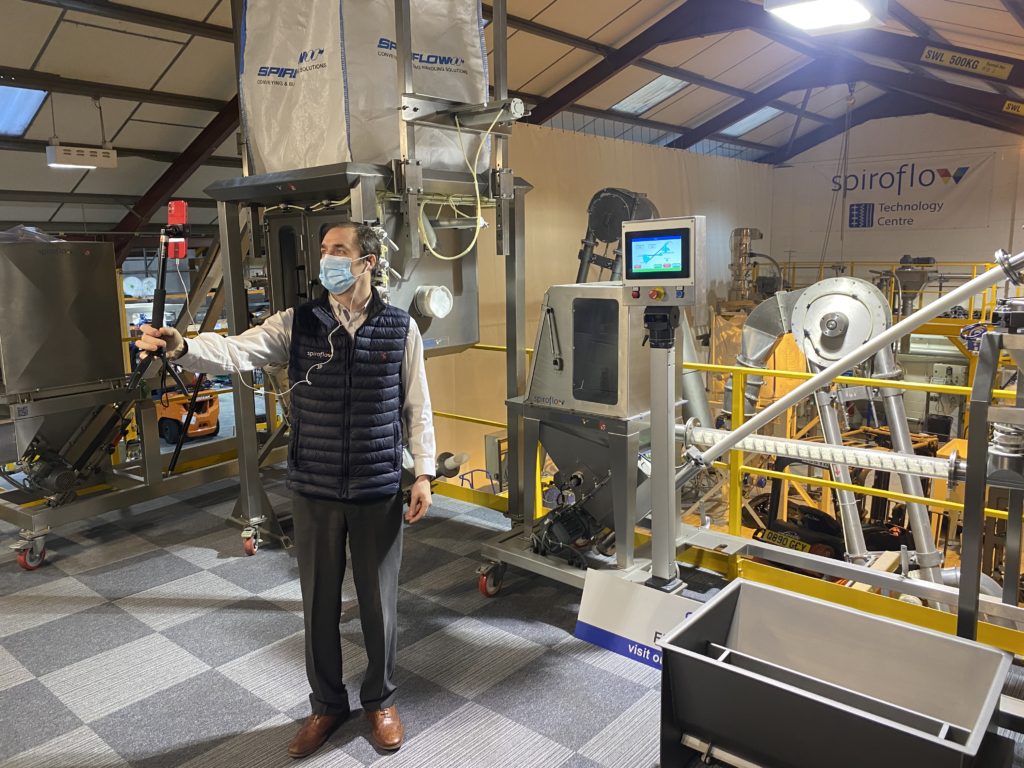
842 166
476 189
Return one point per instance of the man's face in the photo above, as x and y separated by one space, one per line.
342 241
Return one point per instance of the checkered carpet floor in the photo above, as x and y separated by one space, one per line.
150 640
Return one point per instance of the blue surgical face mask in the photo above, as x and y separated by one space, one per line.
336 273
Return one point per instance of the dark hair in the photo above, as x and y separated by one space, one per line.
369 243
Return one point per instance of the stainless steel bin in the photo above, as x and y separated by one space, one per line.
787 681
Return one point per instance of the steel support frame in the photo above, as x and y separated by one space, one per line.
976 486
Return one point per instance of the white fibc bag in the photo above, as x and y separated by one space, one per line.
319 80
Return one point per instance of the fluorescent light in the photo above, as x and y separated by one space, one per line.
823 14
17 108
651 95
85 158
750 122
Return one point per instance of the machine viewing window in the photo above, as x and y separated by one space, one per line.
658 254
595 350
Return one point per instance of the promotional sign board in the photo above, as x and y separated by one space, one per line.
628 618
912 194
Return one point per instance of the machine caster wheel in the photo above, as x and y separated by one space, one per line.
29 559
490 579
250 542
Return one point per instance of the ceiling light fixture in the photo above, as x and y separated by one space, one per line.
822 15
81 158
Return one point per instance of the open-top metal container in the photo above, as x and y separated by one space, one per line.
787 681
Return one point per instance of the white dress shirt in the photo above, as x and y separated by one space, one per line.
269 344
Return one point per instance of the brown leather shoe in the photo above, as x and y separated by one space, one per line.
315 730
386 730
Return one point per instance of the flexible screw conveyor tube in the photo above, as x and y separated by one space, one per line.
1008 269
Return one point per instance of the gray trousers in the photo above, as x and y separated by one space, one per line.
374 534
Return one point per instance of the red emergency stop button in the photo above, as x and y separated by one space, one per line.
656 294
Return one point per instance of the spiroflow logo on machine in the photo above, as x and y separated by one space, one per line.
437 62
907 179
307 60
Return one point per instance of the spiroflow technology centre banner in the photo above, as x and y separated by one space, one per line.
916 194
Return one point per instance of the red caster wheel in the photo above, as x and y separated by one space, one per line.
490 579
29 559
251 546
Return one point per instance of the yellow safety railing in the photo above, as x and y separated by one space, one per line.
737 469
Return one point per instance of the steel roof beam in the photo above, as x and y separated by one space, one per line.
177 173
100 228
641 122
160 156
913 23
26 78
1015 9
139 16
809 76
86 198
889 105
693 78
695 18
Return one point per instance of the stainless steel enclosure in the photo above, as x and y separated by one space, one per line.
589 356
60 340
775 678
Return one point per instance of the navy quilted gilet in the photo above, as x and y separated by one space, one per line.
346 427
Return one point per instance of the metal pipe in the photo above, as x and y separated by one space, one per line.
846 502
765 325
928 556
664 498
1008 269
823 453
951 578
692 381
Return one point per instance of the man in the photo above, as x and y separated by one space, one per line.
356 370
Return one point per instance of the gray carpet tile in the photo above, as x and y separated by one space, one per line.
117 678
73 638
419 559
181 600
13 579
620 666
640 721
32 715
88 554
579 761
453 586
173 523
234 630
137 574
12 672
543 613
476 736
421 704
183 721
485 656
209 550
271 568
80 748
275 673
43 603
151 640
261 747
574 685
461 535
